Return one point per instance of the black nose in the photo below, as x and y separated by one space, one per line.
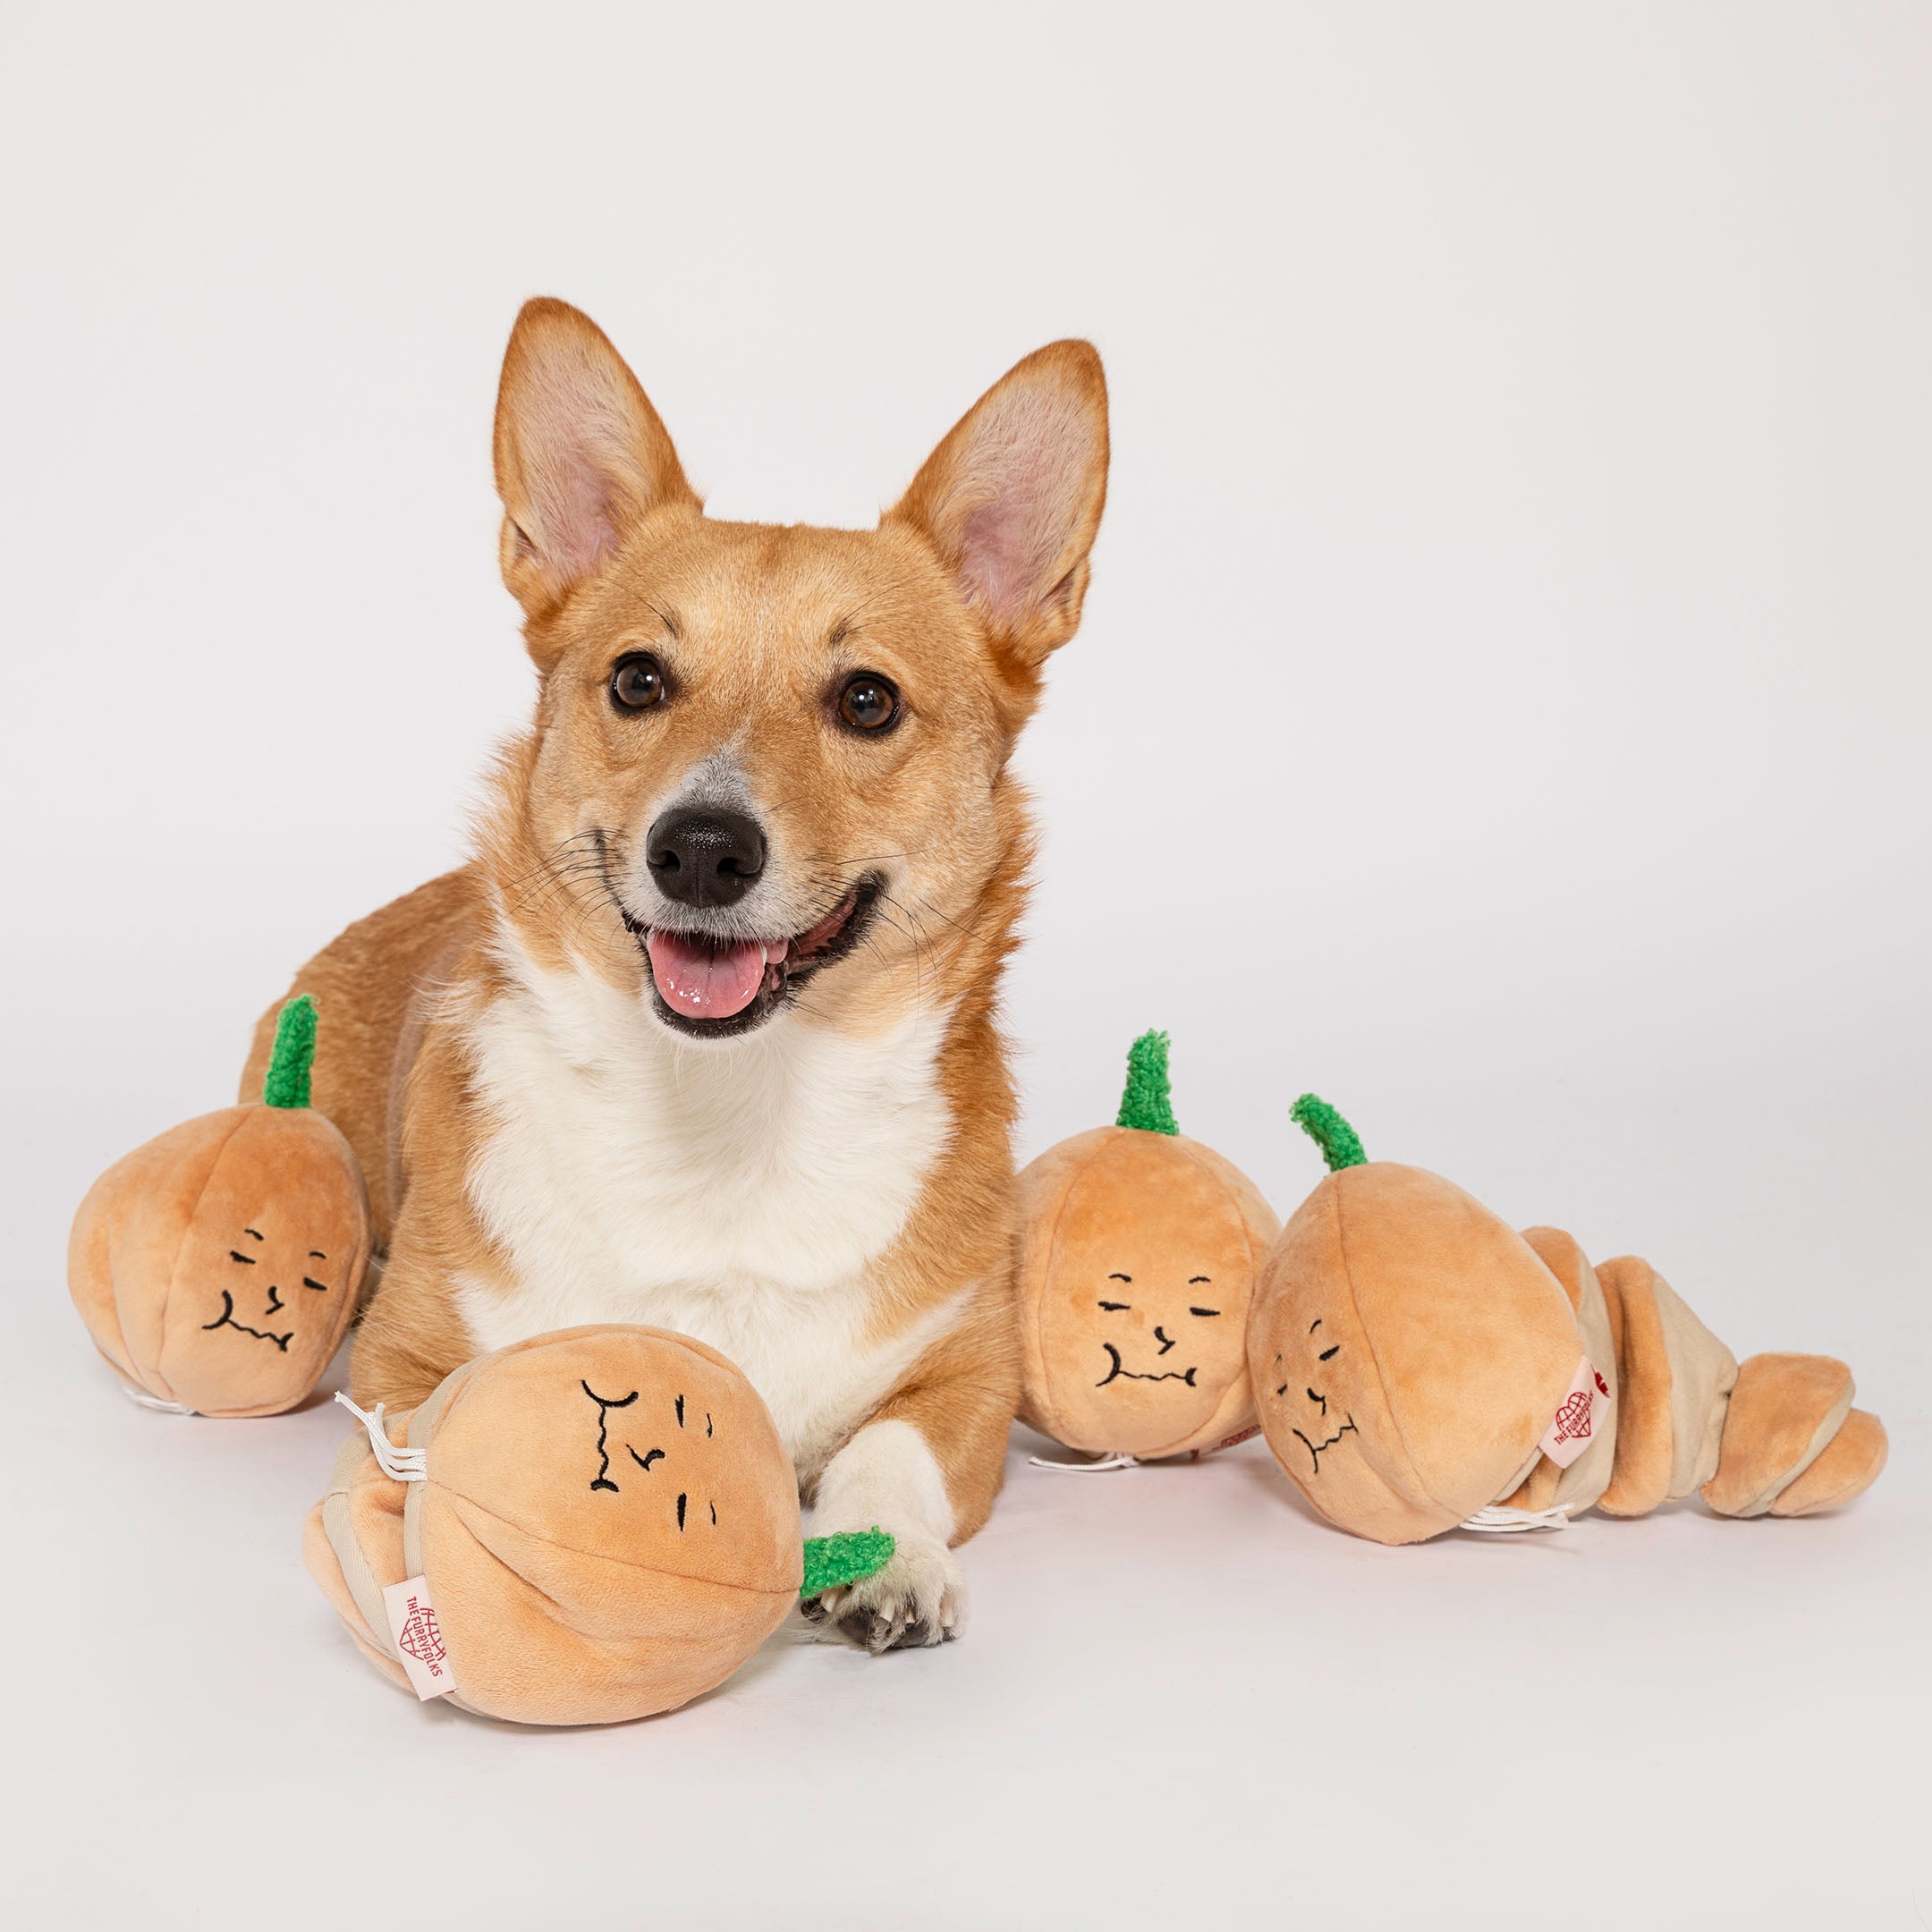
701 855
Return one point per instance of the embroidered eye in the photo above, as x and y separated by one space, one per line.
1203 1311
869 703
1327 1353
1113 1307
637 682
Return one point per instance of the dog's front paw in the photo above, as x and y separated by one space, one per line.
917 1599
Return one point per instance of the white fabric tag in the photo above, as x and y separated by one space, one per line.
418 1640
1580 1416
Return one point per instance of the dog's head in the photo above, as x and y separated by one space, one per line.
768 766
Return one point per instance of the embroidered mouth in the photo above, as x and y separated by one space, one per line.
1119 1373
1314 1449
225 1319
710 987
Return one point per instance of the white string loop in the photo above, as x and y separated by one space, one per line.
400 1465
142 1399
1494 1519
1121 1460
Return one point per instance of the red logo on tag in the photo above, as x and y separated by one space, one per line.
1579 1417
1573 1418
419 1638
1226 1442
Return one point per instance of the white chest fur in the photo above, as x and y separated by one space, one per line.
740 1196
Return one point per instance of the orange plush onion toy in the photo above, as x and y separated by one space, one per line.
218 1267
1421 1366
1137 1249
584 1528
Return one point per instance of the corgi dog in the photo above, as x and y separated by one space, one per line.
705 1035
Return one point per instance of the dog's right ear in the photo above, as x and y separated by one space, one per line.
580 454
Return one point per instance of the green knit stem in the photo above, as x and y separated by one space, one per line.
832 1562
287 1084
1337 1140
1147 1102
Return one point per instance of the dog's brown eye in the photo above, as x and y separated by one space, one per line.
637 682
868 702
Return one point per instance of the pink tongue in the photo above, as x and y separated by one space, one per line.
707 983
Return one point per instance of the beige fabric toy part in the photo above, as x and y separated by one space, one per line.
588 1527
218 1267
1137 1249
1421 1367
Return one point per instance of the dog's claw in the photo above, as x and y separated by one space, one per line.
915 1602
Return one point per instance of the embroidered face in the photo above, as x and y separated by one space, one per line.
638 1447
1316 1412
1408 1347
267 1305
1142 1297
270 1262
661 1452
1318 1393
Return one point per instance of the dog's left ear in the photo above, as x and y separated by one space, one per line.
1012 499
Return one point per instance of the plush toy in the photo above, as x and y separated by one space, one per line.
584 1528
1420 1366
1137 1249
218 1267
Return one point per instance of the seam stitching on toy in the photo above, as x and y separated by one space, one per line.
167 1300
1348 1274
571 1549
1213 1428
1053 1248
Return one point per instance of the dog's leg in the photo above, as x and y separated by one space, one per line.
926 1467
412 1334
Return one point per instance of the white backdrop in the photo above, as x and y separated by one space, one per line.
1502 705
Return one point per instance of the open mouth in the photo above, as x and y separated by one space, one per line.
711 987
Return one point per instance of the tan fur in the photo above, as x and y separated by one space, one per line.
370 988
608 549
